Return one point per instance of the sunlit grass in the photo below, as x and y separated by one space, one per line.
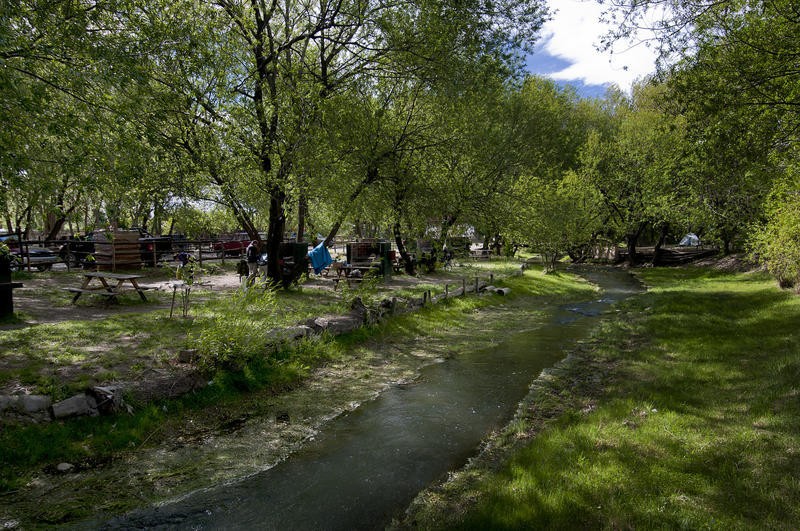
700 427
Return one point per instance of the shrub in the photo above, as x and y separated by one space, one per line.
236 330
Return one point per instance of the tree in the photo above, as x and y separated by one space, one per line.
732 66
636 163
554 217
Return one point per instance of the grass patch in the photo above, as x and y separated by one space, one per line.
87 441
699 428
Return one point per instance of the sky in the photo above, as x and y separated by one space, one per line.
567 51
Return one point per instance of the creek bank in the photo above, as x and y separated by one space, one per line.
573 385
108 399
220 445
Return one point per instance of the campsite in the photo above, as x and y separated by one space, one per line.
369 265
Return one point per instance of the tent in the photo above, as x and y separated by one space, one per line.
690 240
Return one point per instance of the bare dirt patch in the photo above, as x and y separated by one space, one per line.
733 263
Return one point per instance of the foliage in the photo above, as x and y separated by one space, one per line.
776 242
732 71
238 330
556 217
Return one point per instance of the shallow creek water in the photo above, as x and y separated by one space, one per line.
367 464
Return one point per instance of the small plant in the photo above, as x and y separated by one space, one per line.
237 331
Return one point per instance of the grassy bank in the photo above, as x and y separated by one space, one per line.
242 398
697 424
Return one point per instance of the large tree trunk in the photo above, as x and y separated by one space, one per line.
408 261
662 237
632 239
277 222
277 226
302 210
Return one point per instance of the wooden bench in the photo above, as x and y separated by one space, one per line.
90 291
112 295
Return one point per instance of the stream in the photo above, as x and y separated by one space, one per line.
367 465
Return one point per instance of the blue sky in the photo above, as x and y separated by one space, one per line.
567 51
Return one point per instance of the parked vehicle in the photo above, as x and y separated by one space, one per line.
233 245
76 249
154 248
40 258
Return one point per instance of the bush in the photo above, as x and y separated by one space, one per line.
777 242
236 330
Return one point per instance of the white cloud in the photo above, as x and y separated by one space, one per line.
573 35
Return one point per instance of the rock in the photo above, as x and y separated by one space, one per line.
318 324
298 332
290 333
344 324
64 467
33 403
188 355
108 399
75 406
503 291
359 309
8 402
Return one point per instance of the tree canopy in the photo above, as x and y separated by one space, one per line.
410 119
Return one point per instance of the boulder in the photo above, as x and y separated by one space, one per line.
8 402
108 399
344 324
75 406
358 309
318 324
64 467
31 404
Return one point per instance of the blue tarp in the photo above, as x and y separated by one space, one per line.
320 258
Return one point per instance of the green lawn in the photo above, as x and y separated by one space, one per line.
698 425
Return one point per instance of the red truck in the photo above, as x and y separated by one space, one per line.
231 245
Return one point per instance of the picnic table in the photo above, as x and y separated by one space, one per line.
110 285
352 273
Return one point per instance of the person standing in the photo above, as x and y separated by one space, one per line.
251 254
